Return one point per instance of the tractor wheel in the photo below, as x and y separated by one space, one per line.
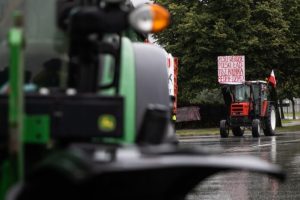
237 131
256 128
224 129
270 121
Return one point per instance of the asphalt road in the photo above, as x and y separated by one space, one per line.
282 149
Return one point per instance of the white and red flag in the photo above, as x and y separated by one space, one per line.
272 79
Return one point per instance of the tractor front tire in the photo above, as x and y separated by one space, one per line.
256 128
270 122
237 131
224 129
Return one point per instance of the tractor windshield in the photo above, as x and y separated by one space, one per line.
44 43
46 57
241 93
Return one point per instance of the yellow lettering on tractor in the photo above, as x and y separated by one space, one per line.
107 123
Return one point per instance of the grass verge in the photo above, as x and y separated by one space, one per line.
204 131
286 121
289 128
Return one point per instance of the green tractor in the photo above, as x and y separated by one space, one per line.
72 81
85 109
249 105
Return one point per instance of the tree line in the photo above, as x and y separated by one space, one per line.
266 32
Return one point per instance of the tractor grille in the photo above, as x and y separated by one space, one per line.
239 110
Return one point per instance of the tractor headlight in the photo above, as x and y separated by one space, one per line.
149 18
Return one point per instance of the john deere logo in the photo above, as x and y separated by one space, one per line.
107 123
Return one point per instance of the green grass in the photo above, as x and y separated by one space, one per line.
290 114
289 128
287 121
204 131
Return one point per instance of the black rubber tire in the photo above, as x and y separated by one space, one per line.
237 131
224 129
270 121
256 128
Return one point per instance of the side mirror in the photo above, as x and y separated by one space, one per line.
149 18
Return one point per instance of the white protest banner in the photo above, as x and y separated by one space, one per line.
231 69
171 74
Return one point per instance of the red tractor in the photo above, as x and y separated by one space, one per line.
250 105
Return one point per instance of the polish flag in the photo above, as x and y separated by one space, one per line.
272 79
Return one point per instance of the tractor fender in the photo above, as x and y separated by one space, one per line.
151 79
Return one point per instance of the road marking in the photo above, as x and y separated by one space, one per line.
280 142
237 149
209 141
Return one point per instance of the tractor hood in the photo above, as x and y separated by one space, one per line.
130 173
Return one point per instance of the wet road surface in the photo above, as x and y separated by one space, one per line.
282 149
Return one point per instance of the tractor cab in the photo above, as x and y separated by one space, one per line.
259 97
241 93
71 68
247 103
240 99
246 98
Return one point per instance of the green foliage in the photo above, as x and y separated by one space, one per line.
266 32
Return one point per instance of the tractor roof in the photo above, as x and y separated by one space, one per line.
246 82
257 81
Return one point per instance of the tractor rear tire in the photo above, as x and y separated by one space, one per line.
270 122
237 131
224 129
256 128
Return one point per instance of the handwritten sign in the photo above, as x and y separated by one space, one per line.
231 69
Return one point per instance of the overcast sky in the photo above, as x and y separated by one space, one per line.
136 2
